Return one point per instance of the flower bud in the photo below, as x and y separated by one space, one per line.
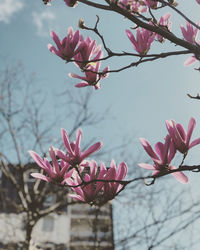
81 24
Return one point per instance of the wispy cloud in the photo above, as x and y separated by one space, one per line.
8 8
43 22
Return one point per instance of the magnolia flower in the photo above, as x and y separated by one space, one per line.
151 4
111 189
165 22
55 171
66 49
143 40
179 136
74 156
71 3
98 192
87 192
190 32
133 6
88 51
91 77
162 157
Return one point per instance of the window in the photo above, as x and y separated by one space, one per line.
29 178
50 200
48 224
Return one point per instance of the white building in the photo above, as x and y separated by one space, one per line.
77 227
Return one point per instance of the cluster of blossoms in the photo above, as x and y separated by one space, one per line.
96 184
144 38
85 53
92 184
177 140
138 6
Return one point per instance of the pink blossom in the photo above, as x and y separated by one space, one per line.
151 3
192 59
162 157
165 22
111 189
133 6
56 171
143 40
179 136
74 156
91 77
189 33
66 49
87 192
88 51
98 192
198 1
71 3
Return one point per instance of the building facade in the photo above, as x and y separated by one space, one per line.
75 227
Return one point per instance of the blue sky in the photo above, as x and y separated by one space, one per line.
140 99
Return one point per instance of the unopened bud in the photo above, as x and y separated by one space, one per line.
81 24
173 3
47 2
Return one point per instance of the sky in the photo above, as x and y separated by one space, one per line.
139 99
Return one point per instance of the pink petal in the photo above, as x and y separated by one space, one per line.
190 60
56 39
172 151
52 49
92 149
77 197
37 159
159 148
113 164
106 74
166 149
191 126
156 172
54 160
122 171
61 155
166 16
78 140
41 176
181 131
97 86
81 85
77 76
130 35
66 141
148 149
195 142
146 166
179 176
